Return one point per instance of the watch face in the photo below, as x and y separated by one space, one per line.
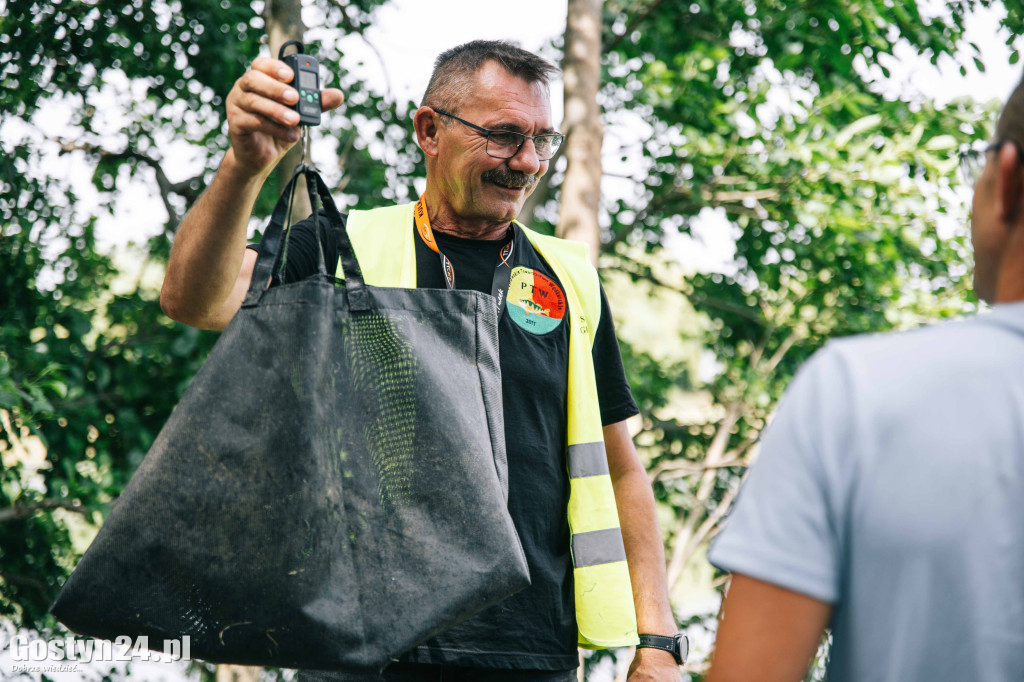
682 648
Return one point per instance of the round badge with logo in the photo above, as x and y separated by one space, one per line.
535 302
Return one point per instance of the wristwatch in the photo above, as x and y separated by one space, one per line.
676 645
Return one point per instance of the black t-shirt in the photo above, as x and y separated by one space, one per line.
535 628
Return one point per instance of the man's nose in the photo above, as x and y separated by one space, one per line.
526 160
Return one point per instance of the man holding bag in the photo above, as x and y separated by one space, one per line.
484 125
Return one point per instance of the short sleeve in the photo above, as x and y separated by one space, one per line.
613 391
302 254
787 523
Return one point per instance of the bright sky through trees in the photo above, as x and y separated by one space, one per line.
409 34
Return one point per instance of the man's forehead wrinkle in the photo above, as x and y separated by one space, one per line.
509 122
507 100
515 128
501 113
509 126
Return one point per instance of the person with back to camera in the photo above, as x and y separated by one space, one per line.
485 129
888 499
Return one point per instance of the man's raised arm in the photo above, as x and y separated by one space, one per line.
210 269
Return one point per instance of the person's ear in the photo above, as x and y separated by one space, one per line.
1010 184
427 130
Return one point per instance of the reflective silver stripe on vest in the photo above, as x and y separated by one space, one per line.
597 547
587 459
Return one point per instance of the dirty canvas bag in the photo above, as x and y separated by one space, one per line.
331 489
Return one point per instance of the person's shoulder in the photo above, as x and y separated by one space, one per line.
977 341
894 371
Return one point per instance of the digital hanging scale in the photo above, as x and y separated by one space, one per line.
306 81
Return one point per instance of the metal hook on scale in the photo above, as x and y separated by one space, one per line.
305 146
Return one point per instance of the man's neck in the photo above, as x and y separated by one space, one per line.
1009 290
1010 277
444 220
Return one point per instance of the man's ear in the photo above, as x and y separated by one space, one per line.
1010 184
426 130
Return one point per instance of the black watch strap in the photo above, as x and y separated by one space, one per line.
676 645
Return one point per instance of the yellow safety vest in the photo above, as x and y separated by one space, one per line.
384 242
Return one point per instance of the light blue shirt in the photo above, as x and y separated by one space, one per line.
891 485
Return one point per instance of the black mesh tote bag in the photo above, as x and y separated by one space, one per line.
330 490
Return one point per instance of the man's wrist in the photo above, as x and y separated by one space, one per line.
240 176
648 654
675 646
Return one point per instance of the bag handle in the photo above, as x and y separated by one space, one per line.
276 236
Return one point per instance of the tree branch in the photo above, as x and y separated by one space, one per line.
349 27
680 468
685 529
693 297
25 581
346 20
389 92
711 522
637 20
166 187
780 353
24 511
738 196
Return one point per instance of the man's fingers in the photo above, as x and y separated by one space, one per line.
250 123
256 104
259 83
261 100
268 79
331 98
274 68
257 93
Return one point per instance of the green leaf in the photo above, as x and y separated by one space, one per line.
858 127
941 142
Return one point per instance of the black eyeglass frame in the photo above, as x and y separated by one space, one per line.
971 160
556 138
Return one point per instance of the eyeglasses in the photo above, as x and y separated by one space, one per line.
972 161
504 144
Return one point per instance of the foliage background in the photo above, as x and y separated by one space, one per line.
768 120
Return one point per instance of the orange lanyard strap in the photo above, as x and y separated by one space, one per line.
423 227
502 271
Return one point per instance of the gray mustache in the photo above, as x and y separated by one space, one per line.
509 177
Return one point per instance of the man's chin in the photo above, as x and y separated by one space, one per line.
522 192
505 208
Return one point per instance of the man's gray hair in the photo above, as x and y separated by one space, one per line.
454 71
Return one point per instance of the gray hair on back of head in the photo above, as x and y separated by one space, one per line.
452 80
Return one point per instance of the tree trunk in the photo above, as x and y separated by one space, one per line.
284 23
581 190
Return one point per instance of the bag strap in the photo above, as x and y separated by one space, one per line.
275 238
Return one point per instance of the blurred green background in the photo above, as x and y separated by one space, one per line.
774 178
